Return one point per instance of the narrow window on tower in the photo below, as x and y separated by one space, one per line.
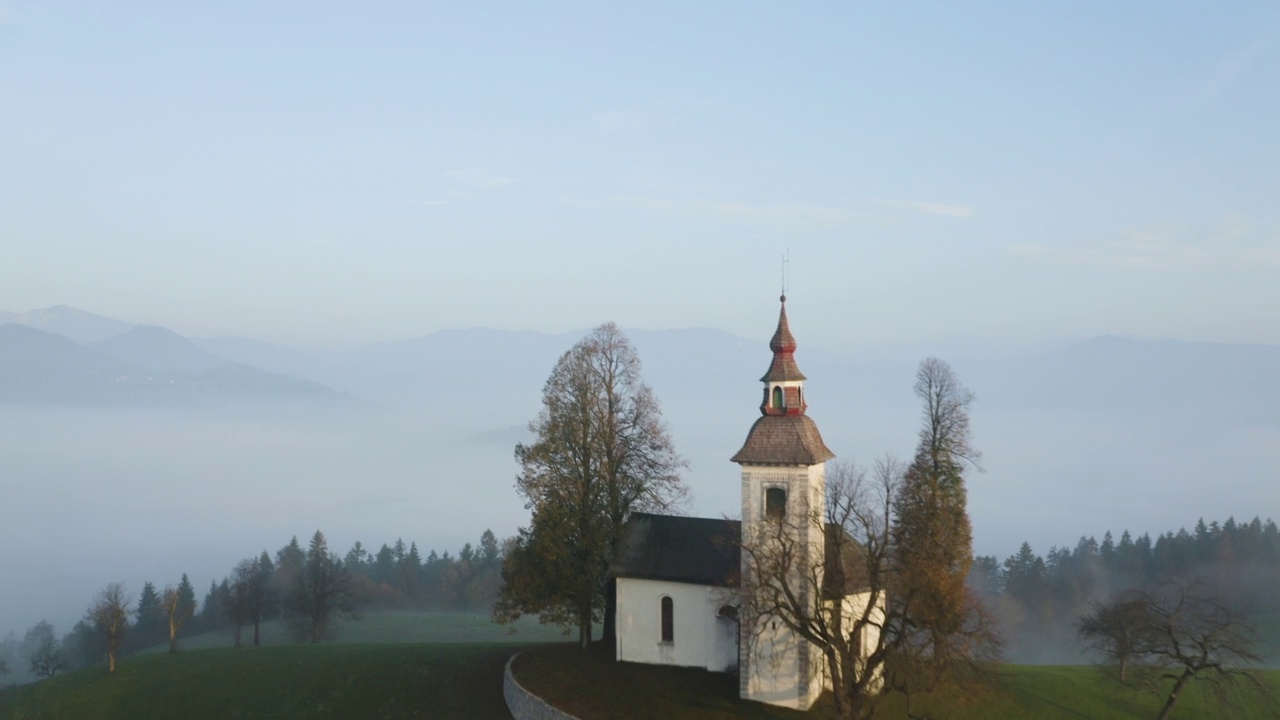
777 397
668 620
775 504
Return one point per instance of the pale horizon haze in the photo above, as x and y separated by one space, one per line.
326 175
981 180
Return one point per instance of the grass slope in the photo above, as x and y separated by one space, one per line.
392 627
592 687
302 681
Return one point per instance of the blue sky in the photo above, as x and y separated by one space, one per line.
328 174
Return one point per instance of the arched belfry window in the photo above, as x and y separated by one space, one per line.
775 504
777 397
668 620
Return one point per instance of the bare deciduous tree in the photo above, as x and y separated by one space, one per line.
903 538
178 605
779 584
109 614
1118 630
238 604
44 652
1181 633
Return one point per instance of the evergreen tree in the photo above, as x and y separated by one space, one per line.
149 625
321 592
932 538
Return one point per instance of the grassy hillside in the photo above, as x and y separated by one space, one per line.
301 681
413 665
383 665
584 685
393 627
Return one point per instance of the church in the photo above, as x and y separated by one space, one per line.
678 577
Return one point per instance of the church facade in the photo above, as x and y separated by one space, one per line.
678 577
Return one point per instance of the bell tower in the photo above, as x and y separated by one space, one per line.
783 490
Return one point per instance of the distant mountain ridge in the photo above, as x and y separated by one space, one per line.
495 377
147 366
77 325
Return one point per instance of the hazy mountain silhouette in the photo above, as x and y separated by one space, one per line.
147 366
78 325
160 350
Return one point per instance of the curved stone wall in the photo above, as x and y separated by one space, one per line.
523 704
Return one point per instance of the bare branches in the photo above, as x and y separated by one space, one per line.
109 613
1174 635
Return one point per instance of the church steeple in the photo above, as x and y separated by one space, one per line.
783 383
785 435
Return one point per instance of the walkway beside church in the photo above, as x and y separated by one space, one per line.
523 704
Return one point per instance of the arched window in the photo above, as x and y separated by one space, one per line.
777 397
775 504
668 620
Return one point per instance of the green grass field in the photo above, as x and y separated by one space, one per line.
393 627
455 680
413 665
590 687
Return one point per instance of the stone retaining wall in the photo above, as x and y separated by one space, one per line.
523 704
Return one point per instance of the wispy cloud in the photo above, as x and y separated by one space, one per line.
1231 242
1233 66
764 214
878 211
480 178
469 184
612 121
927 208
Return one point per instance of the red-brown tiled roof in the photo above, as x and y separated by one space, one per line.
782 368
783 440
783 346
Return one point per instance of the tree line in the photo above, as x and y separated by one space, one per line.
1040 599
308 590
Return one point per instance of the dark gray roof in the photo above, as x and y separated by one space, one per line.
783 440
846 574
702 551
705 551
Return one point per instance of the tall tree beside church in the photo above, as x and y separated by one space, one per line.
601 452
933 541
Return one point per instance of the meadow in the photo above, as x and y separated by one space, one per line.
415 665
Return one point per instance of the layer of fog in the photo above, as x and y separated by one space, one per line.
99 495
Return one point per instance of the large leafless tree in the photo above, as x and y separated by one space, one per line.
1176 634
902 536
601 451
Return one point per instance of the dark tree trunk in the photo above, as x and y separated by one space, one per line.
1178 684
256 636
608 632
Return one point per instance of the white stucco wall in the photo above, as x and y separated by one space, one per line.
701 639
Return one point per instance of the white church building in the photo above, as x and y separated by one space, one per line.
677 576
